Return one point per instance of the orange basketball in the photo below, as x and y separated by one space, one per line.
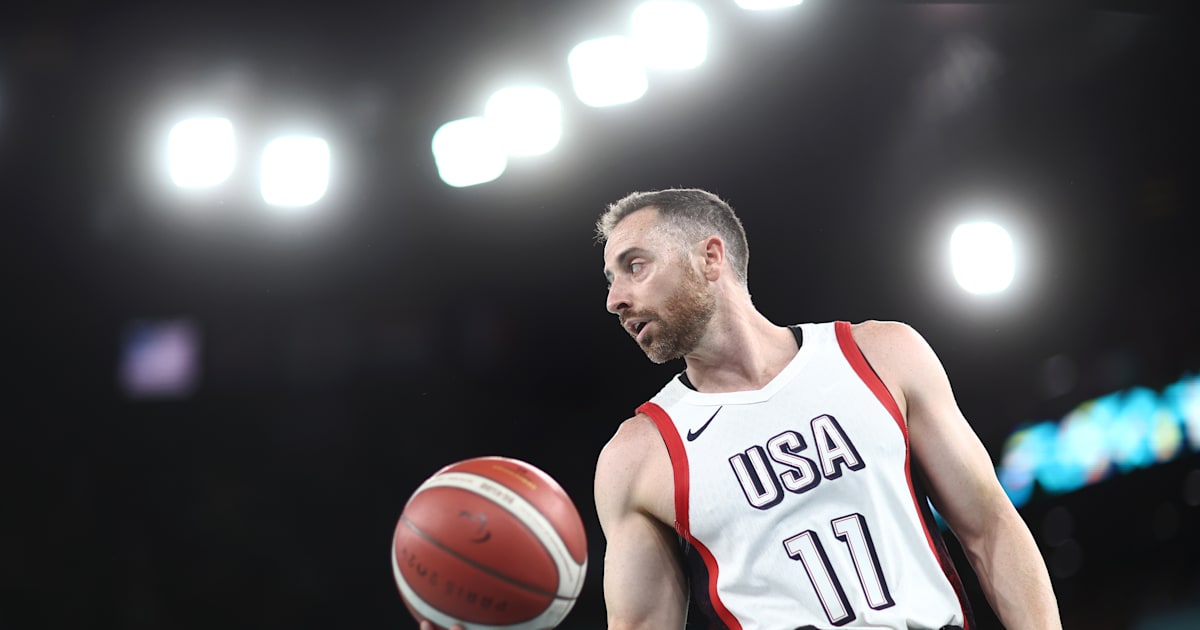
490 542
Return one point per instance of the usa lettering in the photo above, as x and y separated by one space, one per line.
765 472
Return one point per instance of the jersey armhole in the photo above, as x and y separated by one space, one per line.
869 376
679 467
858 361
679 462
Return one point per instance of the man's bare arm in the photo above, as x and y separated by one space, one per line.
963 484
644 585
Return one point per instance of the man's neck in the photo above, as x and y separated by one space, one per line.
740 353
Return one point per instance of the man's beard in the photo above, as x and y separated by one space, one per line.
683 320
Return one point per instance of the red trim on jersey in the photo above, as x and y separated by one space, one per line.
679 466
865 372
859 362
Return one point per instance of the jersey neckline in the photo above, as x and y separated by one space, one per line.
803 352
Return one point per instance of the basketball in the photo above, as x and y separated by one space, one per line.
490 543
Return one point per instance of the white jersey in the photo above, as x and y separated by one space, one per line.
796 503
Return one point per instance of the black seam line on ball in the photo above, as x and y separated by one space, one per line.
482 568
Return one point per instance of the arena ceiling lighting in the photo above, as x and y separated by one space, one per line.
981 256
527 120
295 171
201 152
607 71
468 152
671 35
763 5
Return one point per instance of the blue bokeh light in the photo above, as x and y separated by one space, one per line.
1114 434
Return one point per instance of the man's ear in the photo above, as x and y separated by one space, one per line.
714 257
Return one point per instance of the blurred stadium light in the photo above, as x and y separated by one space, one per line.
468 151
528 120
1116 433
201 152
160 359
981 256
607 71
761 5
671 34
295 171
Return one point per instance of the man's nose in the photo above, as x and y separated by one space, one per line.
617 299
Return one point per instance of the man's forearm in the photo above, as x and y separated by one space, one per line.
1013 575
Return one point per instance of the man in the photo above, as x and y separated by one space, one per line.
782 476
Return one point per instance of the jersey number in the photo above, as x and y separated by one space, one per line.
851 530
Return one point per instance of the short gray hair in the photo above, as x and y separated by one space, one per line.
692 214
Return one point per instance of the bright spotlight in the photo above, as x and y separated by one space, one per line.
468 152
672 35
762 5
607 71
201 152
295 171
981 255
528 120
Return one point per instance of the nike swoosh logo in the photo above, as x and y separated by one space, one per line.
692 435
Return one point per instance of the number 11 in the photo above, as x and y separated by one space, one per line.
852 530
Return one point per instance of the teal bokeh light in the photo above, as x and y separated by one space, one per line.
1116 433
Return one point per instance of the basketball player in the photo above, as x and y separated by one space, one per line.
783 475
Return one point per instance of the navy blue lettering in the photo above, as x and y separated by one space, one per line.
834 448
757 478
801 475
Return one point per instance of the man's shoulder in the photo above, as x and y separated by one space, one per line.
631 451
633 473
632 438
875 332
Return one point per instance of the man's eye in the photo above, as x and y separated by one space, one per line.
635 267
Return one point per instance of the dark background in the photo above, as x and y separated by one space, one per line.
415 324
